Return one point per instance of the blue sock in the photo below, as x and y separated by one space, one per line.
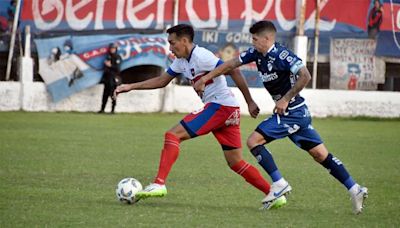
266 161
336 169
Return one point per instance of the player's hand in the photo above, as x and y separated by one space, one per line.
253 109
280 106
199 87
121 89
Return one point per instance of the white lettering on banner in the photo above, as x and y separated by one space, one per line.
224 15
237 37
94 53
74 22
210 37
160 14
398 20
195 19
71 7
249 14
132 10
120 14
91 13
98 24
323 25
48 6
285 24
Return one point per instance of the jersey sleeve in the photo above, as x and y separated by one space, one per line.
209 61
175 68
287 60
248 56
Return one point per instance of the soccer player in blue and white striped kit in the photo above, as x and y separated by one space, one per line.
284 75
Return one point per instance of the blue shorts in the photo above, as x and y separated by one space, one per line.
296 125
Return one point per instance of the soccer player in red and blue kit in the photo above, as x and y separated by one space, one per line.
284 75
220 115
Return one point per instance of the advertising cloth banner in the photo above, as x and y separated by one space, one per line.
338 18
69 64
353 65
227 45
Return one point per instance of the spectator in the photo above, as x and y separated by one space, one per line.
375 20
111 71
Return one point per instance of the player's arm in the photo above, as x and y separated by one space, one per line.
221 69
302 81
241 83
153 83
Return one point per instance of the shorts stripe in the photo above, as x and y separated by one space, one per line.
209 110
191 133
222 121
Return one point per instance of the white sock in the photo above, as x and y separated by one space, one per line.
354 190
281 182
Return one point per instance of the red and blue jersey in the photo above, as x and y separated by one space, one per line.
199 63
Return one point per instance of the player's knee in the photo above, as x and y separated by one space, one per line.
319 153
233 157
255 139
252 142
171 134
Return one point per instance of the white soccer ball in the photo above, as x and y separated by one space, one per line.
126 190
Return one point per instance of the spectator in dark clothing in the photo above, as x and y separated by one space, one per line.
375 20
111 72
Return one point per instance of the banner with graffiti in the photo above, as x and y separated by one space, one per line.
339 19
227 45
353 65
69 64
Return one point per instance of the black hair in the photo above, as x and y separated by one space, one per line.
112 45
68 43
262 26
182 30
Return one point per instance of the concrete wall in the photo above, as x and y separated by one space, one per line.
32 96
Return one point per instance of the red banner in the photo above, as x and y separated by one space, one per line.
236 15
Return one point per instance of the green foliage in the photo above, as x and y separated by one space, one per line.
61 169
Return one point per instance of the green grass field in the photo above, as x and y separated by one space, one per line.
61 169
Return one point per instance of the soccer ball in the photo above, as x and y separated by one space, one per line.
127 189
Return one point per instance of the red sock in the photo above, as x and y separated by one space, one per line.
251 175
169 154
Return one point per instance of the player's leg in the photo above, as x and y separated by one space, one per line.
255 144
114 103
267 131
169 154
192 125
113 99
229 138
251 175
106 94
309 140
337 170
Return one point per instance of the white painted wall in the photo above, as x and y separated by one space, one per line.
322 103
